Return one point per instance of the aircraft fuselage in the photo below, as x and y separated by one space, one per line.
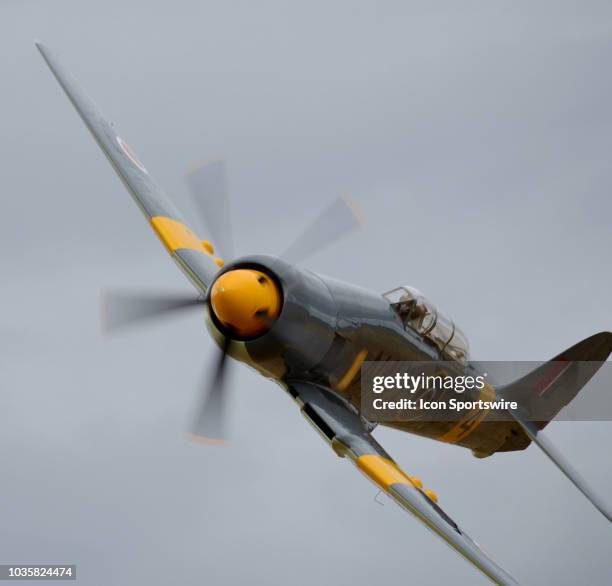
326 330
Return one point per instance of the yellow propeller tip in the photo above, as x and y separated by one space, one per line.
355 209
204 163
208 441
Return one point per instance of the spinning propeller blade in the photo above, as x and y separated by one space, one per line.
208 186
121 309
209 423
335 221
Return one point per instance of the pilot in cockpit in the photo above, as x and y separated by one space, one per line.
418 314
411 311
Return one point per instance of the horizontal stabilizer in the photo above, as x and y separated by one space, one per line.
542 393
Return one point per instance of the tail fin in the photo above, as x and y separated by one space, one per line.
542 393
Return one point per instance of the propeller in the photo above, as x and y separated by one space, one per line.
208 188
121 310
209 423
340 218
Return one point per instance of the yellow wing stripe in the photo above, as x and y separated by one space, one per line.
385 473
382 471
176 235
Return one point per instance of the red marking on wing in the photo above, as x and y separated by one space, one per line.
125 147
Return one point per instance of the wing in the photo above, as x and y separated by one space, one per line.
349 437
194 256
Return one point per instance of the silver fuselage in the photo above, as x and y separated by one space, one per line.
327 327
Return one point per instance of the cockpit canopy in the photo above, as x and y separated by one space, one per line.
419 314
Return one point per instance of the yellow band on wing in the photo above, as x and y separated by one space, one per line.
385 473
382 471
175 235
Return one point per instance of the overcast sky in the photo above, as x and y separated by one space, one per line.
475 135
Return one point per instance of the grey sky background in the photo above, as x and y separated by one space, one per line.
476 136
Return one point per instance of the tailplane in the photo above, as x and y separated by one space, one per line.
542 393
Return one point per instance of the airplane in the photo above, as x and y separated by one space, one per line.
311 334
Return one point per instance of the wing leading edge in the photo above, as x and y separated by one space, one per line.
349 437
192 255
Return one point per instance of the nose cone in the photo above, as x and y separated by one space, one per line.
245 301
